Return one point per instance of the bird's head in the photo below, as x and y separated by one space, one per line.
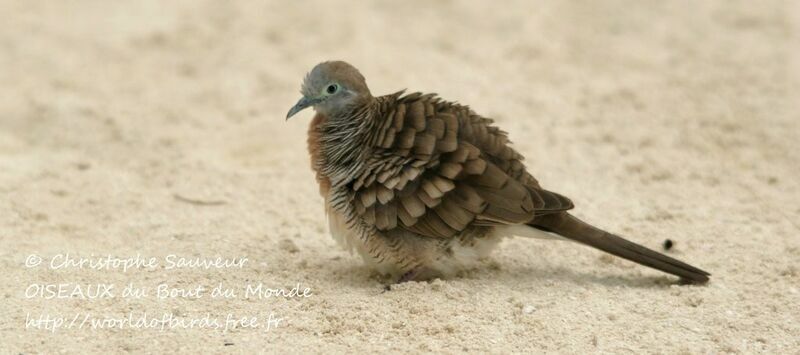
331 88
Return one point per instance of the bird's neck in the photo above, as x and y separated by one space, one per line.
343 139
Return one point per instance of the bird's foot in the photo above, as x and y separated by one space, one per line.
410 275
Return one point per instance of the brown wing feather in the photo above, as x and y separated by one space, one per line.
450 169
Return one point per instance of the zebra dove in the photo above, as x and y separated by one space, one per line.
421 187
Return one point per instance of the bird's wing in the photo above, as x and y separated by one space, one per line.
437 169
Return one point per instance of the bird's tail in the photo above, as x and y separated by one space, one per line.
568 226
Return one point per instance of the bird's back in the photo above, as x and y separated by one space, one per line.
437 168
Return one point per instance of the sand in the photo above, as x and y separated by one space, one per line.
156 130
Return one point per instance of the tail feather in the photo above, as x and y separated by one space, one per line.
573 228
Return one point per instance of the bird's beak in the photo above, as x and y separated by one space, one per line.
300 105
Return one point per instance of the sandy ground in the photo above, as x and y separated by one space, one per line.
661 120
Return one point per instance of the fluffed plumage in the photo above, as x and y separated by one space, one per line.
423 187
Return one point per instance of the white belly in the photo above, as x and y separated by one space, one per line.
438 257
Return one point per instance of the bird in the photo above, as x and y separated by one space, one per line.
422 188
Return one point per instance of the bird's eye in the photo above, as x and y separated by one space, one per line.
332 88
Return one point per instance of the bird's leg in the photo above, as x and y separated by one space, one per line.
410 275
